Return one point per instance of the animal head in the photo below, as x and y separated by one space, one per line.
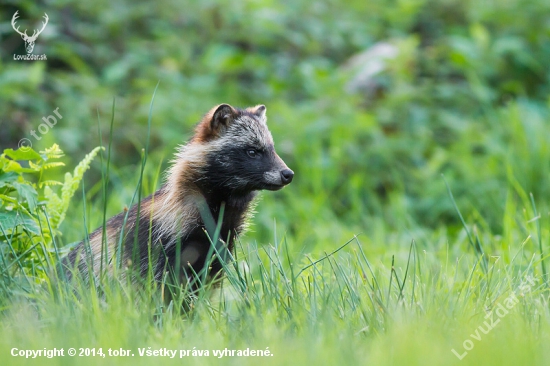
239 154
29 40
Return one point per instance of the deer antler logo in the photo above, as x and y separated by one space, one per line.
29 41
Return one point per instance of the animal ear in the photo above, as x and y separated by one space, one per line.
222 117
259 111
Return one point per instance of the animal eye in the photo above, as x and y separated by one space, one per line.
252 153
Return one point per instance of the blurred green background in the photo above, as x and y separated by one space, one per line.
369 102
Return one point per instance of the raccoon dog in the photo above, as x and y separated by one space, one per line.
230 158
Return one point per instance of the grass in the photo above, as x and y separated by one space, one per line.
412 305
368 257
416 295
385 297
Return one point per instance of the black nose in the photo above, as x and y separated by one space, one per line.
286 176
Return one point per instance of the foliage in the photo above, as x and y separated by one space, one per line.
464 100
345 307
468 83
30 210
57 206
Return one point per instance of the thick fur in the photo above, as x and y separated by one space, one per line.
230 157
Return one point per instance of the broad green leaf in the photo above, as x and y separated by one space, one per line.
27 192
6 177
23 154
12 166
9 220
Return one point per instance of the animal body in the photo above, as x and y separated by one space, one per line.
228 160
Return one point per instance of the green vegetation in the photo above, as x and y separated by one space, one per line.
31 213
440 166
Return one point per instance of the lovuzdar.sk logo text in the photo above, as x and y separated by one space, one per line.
29 40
